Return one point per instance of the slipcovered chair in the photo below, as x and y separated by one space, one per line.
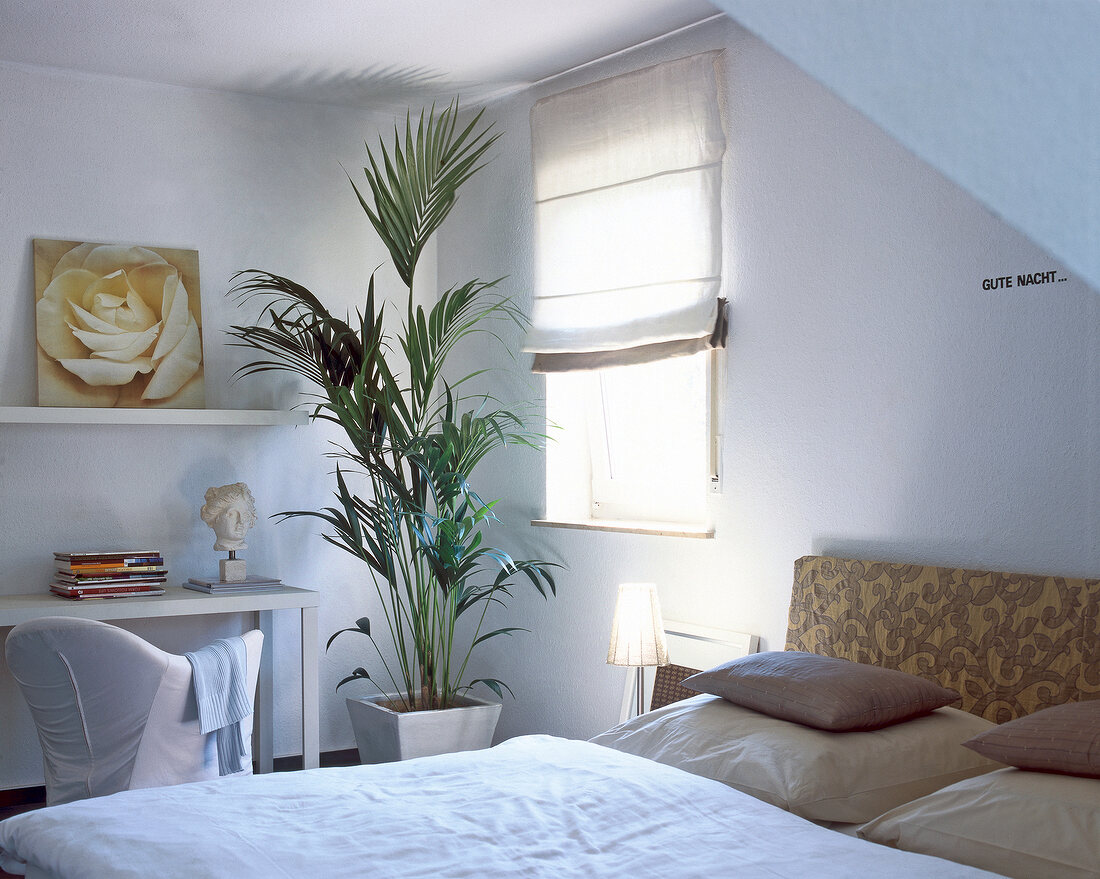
114 712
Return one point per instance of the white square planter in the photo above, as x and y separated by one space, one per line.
384 735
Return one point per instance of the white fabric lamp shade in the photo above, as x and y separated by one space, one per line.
638 632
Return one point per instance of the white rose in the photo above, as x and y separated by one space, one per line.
111 313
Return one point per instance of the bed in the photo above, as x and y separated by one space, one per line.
541 806
1023 653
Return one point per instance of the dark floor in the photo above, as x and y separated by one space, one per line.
36 800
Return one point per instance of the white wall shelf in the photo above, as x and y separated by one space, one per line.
61 415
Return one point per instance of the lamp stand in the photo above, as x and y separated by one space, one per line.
633 694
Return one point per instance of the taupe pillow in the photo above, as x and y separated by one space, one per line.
846 778
819 691
1065 739
1030 825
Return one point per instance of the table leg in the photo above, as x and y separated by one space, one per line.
263 720
311 718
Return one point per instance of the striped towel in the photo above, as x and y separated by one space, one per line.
218 672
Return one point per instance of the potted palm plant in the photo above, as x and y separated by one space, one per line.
405 504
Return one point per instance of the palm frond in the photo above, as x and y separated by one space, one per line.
411 438
414 183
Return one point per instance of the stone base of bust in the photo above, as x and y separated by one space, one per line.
232 570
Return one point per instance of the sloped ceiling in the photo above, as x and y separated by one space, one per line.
1001 96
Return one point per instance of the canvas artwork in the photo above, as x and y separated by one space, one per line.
118 326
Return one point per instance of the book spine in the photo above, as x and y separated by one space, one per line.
116 558
112 593
143 566
108 581
111 572
95 590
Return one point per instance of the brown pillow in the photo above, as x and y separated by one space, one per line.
819 691
1065 739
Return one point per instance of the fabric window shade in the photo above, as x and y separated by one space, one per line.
628 176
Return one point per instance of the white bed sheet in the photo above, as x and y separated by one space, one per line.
535 806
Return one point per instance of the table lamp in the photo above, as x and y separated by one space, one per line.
637 634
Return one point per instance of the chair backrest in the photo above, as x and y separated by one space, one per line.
112 711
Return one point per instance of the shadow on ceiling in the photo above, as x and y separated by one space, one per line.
385 89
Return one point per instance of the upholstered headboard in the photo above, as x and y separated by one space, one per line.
1010 644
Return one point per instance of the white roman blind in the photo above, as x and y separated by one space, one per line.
628 175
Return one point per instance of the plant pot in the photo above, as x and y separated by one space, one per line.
384 735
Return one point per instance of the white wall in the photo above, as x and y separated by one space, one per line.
248 183
878 403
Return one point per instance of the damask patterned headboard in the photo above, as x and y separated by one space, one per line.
1010 644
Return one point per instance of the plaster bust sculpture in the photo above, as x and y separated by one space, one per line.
230 510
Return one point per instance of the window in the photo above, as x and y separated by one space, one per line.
633 443
627 306
654 451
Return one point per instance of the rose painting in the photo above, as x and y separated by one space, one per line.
118 326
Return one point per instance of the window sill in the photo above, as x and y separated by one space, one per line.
661 529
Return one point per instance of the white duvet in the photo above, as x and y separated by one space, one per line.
535 806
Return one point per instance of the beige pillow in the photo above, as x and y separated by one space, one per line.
824 776
821 691
1065 738
1030 825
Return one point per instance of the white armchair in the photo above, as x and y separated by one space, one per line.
113 712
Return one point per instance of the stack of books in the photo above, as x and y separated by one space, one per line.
83 575
251 583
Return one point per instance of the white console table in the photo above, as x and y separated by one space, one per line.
176 602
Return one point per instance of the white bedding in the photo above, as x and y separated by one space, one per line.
535 806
